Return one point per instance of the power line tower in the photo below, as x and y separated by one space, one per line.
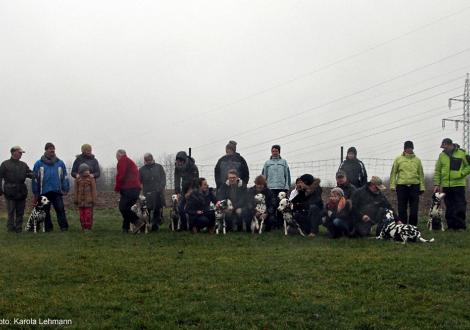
465 121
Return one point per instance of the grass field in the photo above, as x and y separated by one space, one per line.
106 279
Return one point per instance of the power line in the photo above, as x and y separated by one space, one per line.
327 66
290 117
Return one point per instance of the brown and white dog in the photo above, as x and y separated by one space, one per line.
140 208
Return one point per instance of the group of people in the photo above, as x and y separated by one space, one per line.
352 208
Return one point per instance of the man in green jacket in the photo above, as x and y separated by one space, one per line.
452 167
407 178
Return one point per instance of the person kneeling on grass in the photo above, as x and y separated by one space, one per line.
338 218
85 196
198 208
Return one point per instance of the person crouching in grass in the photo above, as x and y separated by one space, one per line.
85 196
338 214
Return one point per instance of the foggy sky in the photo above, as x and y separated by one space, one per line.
162 76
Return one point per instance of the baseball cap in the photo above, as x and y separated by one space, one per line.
378 182
446 141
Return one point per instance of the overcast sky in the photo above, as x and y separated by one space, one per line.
162 76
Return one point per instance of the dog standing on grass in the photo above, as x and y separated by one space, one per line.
400 232
38 215
220 210
285 207
435 212
175 219
141 210
261 213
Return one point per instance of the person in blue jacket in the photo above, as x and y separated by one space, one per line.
50 180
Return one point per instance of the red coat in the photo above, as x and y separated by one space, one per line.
127 175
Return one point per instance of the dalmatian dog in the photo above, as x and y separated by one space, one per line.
175 221
140 208
285 208
257 223
38 215
220 208
400 232
435 212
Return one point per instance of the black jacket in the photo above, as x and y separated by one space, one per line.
13 173
198 201
92 163
153 179
269 199
302 201
236 194
348 189
355 171
186 175
366 202
228 162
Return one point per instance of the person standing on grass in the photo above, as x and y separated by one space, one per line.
85 196
354 168
50 180
13 173
128 186
277 173
186 177
153 178
231 160
407 179
452 168
86 157
198 207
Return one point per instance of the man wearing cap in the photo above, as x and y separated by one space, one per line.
343 183
369 205
277 174
50 180
452 168
231 161
13 173
308 204
86 157
407 178
354 168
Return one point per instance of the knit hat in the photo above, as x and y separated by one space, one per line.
353 150
86 147
232 145
337 191
83 167
49 145
340 174
276 146
181 155
408 145
307 179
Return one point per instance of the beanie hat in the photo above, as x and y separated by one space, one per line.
49 145
86 147
408 145
353 150
276 146
232 145
337 191
181 155
307 179
83 167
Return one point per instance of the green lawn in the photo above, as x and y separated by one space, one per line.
106 279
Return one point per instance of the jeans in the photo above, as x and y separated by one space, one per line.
338 227
128 199
57 201
15 208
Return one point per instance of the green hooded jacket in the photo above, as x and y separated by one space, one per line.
407 169
450 171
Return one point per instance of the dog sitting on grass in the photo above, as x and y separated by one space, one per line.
398 231
285 207
435 213
261 213
221 207
38 215
175 220
141 210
